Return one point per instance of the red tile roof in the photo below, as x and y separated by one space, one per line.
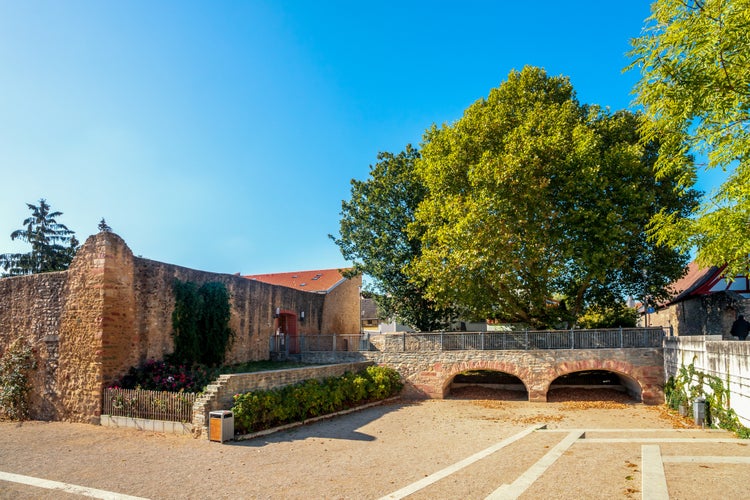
319 281
697 281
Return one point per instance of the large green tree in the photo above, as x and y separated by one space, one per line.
532 196
694 60
373 234
53 245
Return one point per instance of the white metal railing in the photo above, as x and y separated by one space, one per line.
607 338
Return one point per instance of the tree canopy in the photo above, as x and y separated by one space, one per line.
373 234
694 60
53 245
531 196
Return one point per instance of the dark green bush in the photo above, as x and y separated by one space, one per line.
258 410
16 365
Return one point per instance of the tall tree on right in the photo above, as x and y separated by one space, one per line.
53 245
532 196
694 60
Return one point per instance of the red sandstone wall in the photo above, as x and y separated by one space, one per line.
111 311
30 308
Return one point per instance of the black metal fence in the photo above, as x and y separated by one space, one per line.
609 338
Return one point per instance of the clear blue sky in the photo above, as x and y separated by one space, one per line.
222 136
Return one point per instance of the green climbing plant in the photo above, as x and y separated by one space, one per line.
690 384
16 365
200 323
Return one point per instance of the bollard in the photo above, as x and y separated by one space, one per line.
699 411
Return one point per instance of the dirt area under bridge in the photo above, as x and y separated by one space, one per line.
378 451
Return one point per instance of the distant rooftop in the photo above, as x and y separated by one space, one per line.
317 281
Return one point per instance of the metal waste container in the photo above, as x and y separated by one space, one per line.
220 426
699 411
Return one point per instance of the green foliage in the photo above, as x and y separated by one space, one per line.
53 245
618 315
531 195
156 375
201 323
694 61
213 323
258 410
16 364
373 234
691 384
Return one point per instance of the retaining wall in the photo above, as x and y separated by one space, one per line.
220 395
726 359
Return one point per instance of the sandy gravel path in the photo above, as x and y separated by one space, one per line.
379 451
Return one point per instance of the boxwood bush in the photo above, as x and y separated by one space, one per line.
258 410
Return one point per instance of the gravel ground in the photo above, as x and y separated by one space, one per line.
380 450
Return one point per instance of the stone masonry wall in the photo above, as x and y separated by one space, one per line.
429 374
30 308
708 315
110 311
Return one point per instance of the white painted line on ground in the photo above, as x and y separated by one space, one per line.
517 487
653 481
637 430
705 460
663 440
67 488
432 478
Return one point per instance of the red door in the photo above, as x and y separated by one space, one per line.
288 325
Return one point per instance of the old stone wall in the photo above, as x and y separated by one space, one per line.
110 311
708 315
252 310
30 308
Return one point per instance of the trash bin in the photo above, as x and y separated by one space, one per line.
699 411
220 426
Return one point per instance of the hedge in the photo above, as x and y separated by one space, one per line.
258 410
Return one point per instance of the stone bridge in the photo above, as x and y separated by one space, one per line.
429 373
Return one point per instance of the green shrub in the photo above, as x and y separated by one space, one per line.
16 364
258 410
690 384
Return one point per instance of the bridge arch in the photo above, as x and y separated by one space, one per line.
522 373
493 380
630 376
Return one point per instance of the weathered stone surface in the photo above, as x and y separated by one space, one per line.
111 310
428 374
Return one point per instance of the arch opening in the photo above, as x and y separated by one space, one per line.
487 384
594 385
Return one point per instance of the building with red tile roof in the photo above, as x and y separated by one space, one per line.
341 304
317 281
703 302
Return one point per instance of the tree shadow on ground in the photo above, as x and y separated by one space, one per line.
335 427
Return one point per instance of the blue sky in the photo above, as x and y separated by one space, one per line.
222 136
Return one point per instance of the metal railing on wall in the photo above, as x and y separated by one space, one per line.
609 338
152 405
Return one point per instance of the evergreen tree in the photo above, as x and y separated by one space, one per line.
53 245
